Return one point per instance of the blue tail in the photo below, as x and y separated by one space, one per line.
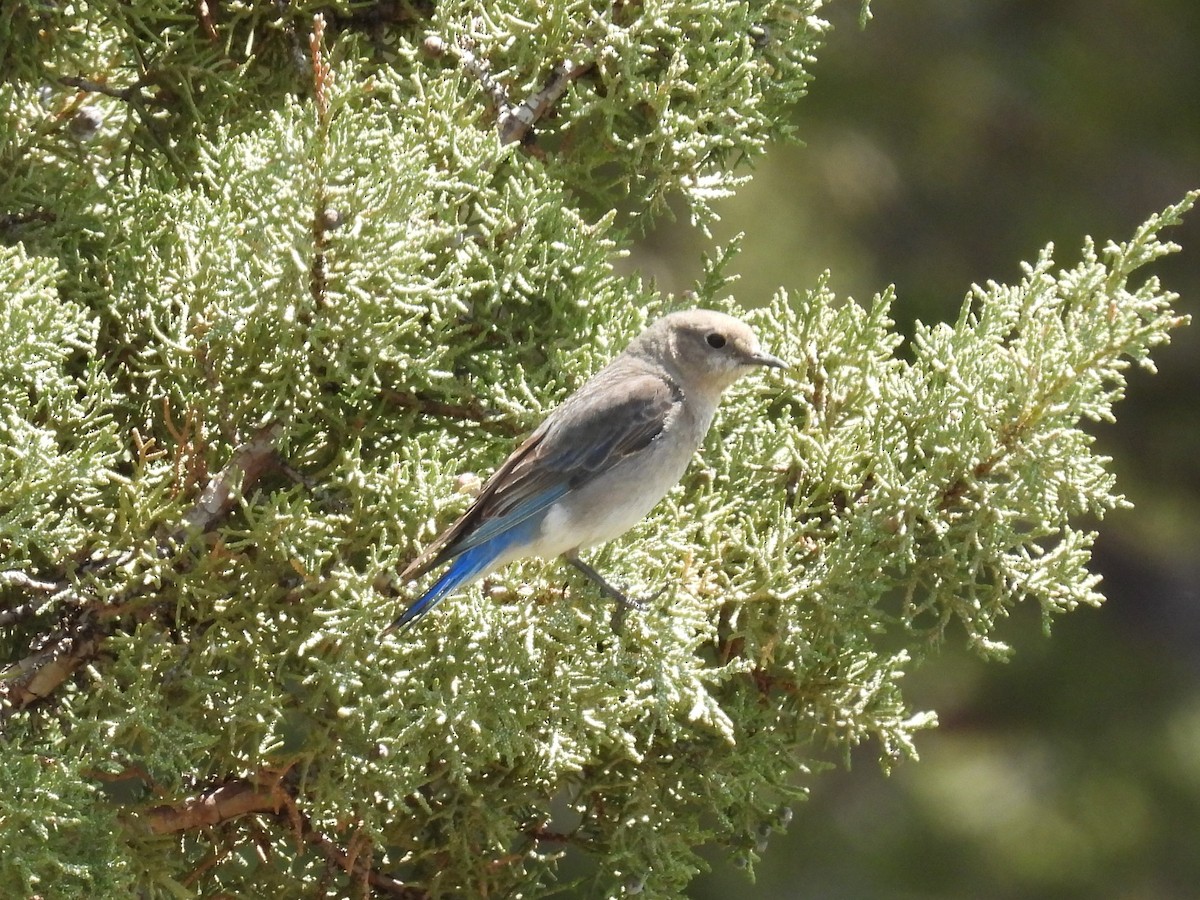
466 568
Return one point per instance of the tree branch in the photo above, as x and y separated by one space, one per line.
42 672
229 801
30 585
515 123
39 675
241 797
127 94
468 412
351 866
247 464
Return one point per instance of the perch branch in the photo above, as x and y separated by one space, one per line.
128 94
467 412
39 675
248 463
229 801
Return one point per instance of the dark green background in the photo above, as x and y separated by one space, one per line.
946 143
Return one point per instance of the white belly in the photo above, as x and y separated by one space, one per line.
614 502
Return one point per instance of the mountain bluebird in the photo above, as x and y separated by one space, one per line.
601 460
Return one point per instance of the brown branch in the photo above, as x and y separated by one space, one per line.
515 123
321 69
351 866
127 94
40 674
14 221
557 837
248 463
25 610
229 801
205 17
63 590
95 87
241 797
190 465
468 412
322 73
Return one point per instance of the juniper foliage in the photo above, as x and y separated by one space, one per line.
272 282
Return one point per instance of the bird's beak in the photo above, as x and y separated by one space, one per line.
763 358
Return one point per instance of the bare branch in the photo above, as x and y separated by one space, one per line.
516 123
468 412
248 463
15 221
241 797
351 866
15 578
128 94
205 17
40 674
20 579
229 801
324 218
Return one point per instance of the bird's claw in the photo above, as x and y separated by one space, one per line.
625 603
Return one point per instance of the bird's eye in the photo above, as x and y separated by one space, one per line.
715 340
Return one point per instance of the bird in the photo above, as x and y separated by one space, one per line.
600 461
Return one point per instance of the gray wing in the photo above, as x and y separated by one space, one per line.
595 428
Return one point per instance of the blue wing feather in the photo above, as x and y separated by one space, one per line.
467 566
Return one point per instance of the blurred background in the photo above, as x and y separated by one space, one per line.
946 143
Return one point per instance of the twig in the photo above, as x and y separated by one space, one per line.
229 801
39 675
24 611
189 454
14 221
324 219
20 579
557 837
348 864
128 94
247 464
205 17
516 123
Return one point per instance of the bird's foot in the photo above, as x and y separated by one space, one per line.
624 603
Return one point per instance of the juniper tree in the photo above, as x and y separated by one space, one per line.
275 275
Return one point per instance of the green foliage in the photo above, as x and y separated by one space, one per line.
369 272
58 438
60 838
675 92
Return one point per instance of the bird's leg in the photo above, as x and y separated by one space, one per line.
597 579
624 602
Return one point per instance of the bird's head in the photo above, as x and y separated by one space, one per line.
708 348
